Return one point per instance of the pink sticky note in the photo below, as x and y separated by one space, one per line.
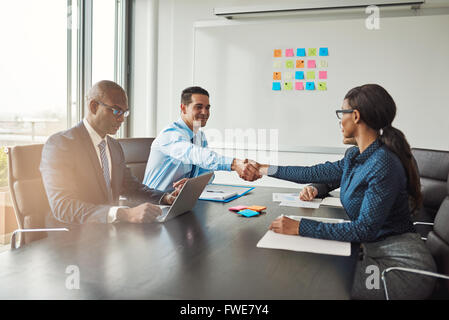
289 53
237 208
311 64
322 74
299 86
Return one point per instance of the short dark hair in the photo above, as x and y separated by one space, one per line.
186 95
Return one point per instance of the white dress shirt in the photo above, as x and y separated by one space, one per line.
96 139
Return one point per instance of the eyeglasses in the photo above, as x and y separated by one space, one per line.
115 111
337 112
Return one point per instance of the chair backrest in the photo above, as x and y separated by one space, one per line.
433 166
136 152
438 238
27 190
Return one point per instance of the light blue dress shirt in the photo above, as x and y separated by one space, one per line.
173 156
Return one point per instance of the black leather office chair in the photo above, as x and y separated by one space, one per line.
27 193
438 244
433 166
136 152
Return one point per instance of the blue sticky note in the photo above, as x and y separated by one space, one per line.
248 213
324 52
310 85
276 86
301 52
299 75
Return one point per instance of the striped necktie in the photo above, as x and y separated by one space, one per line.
105 166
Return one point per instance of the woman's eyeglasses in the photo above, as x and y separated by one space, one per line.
115 111
338 112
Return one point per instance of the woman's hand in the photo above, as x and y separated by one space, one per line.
285 225
308 193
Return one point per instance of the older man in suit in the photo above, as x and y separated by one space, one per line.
84 171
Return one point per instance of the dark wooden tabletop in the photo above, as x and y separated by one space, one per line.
209 253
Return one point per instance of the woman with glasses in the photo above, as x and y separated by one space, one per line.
376 179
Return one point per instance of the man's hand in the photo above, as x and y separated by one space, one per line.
308 193
170 197
285 225
246 169
144 213
179 184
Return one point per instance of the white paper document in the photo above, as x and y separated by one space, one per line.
314 204
331 201
278 197
273 240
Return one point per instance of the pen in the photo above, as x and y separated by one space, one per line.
214 191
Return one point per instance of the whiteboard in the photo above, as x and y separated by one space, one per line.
408 56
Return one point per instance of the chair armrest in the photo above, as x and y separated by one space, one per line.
13 237
417 271
422 223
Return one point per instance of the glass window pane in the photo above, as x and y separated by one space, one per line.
103 40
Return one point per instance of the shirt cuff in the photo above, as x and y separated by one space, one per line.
112 214
272 170
226 164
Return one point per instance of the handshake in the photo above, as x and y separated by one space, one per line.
248 170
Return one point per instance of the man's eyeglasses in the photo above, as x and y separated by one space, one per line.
338 112
115 111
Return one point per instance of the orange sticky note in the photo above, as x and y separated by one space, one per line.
276 76
299 63
278 53
257 208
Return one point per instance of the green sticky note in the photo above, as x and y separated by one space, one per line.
312 52
322 86
310 74
288 86
289 64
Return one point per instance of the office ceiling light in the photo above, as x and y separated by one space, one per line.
229 13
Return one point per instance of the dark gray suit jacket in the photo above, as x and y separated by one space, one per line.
74 182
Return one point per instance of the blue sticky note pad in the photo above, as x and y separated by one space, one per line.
276 86
310 85
299 75
301 52
324 52
248 213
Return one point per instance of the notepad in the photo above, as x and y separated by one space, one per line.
217 194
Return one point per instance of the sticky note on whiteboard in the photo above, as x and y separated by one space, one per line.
312 52
277 53
289 64
288 75
311 64
299 86
288 86
322 75
324 51
277 64
310 74
322 86
276 76
299 63
301 52
289 53
310 86
299 75
276 86
323 63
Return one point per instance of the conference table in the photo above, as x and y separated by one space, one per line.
207 253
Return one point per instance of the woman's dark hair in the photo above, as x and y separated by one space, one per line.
186 95
378 109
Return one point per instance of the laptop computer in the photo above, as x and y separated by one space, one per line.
187 197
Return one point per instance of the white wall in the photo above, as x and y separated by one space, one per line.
174 25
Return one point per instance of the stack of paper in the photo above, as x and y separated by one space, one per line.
314 204
331 201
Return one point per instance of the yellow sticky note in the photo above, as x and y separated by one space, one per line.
310 74
288 86
312 52
322 86
277 64
289 64
323 63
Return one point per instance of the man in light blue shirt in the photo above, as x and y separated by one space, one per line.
181 151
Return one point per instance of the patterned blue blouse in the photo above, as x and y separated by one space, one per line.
373 191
